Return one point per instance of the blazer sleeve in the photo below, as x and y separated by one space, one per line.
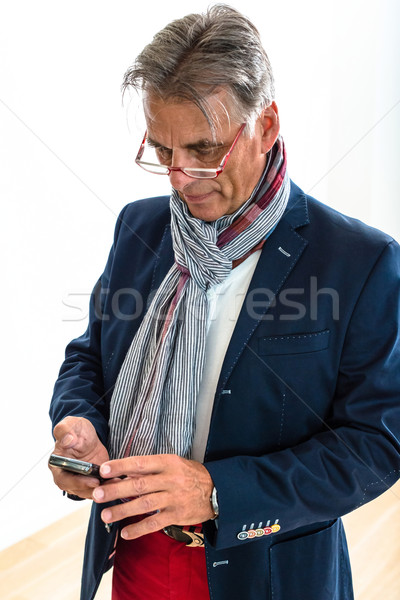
79 390
356 456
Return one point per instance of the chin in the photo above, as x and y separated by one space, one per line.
208 211
204 214
206 207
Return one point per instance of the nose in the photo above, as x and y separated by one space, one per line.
180 158
179 180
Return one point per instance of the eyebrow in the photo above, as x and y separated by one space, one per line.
200 144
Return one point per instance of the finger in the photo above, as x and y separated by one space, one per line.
83 494
76 484
130 487
67 431
76 433
65 438
112 490
145 505
137 465
150 524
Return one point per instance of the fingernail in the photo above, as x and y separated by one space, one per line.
67 439
105 469
124 534
106 515
98 494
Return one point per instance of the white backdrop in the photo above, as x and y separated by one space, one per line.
66 170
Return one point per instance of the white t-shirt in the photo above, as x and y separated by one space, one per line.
226 300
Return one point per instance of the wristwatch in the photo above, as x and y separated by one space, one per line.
214 503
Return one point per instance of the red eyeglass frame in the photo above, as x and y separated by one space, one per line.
186 170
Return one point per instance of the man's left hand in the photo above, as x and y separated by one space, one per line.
167 489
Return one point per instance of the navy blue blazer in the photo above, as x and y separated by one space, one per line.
306 419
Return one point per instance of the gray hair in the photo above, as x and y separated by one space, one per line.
200 54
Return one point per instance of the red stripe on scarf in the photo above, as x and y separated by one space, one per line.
247 218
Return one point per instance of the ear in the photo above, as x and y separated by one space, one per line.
269 120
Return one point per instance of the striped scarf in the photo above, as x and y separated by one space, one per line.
153 406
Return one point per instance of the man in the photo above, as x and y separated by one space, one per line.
246 393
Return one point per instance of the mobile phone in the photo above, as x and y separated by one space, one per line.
73 465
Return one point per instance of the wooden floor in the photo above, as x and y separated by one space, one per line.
47 565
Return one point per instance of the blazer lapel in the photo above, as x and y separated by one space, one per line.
278 258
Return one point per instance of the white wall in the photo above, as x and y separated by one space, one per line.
66 170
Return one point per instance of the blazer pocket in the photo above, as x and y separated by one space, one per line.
294 343
314 566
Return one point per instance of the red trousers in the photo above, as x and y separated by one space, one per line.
156 567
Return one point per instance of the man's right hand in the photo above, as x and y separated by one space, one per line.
77 438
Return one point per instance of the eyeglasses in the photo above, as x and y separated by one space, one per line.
195 172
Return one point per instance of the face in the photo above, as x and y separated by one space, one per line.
182 133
